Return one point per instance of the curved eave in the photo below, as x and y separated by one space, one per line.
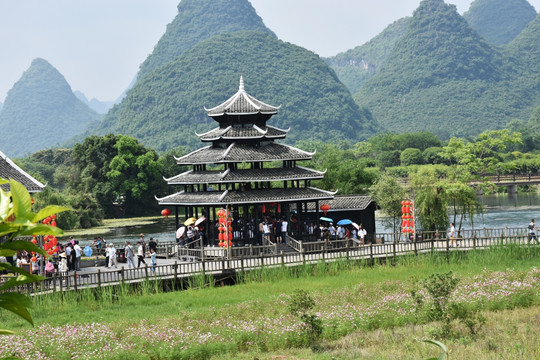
300 150
244 137
220 199
243 161
233 181
37 185
191 153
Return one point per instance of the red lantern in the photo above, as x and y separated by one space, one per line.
53 223
264 209
325 208
166 213
34 259
230 236
279 208
34 241
54 240
53 216
222 213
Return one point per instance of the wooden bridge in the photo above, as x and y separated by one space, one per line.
511 181
233 262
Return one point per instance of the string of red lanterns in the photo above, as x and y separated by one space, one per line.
225 229
407 217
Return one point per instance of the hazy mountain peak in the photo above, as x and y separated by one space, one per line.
41 99
499 21
198 20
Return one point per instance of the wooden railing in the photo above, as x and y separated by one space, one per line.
312 252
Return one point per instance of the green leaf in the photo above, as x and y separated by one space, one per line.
18 304
40 229
6 332
22 245
20 280
48 211
440 345
19 270
20 198
5 202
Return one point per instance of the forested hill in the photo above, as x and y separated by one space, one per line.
199 20
165 108
41 111
526 48
355 66
445 78
499 21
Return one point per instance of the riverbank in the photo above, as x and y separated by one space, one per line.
109 225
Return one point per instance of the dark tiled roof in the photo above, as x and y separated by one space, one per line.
269 151
242 103
346 202
243 132
9 170
244 175
245 197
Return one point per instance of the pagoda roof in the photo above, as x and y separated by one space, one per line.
242 103
10 170
244 175
237 153
228 197
243 132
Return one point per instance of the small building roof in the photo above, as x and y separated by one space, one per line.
228 197
346 202
243 132
245 175
241 103
10 170
237 153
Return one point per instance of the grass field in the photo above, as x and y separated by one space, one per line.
365 312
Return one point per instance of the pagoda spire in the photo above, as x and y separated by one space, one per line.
241 87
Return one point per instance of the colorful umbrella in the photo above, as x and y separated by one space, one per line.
344 222
200 220
326 219
357 227
190 221
180 232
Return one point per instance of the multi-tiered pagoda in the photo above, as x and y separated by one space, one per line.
243 168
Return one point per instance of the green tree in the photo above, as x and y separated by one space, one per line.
135 174
388 194
430 199
411 156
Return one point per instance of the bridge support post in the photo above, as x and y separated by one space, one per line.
512 189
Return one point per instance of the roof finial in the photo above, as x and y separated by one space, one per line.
241 88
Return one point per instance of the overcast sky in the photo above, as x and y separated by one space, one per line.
98 45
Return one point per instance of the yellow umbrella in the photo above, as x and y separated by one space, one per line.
190 221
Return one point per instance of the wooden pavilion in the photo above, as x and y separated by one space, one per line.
245 170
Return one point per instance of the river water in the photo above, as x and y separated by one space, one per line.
501 210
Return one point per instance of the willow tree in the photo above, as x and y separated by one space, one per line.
388 194
431 199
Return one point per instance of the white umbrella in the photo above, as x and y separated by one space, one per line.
180 232
356 226
200 220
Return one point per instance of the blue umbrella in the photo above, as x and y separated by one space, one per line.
326 219
344 222
87 251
